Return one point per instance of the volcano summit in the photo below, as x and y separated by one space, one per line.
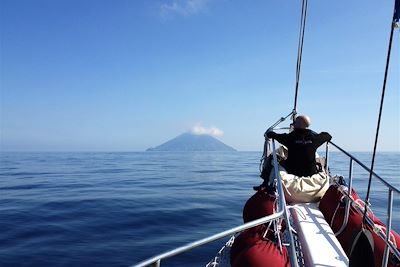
193 142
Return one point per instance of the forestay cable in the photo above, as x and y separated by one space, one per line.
300 51
298 68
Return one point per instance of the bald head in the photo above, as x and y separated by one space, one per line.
302 122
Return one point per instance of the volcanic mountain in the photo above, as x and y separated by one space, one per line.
193 142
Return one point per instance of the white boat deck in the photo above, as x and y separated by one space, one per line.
319 244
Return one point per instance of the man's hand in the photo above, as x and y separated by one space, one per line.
267 132
270 134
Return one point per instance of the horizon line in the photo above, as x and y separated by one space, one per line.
135 151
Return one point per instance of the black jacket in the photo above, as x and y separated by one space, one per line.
302 145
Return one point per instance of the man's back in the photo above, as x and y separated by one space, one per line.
302 145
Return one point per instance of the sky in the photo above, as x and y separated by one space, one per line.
123 75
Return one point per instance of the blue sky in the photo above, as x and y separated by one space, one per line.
128 75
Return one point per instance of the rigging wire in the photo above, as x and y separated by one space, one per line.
267 145
394 25
300 52
298 68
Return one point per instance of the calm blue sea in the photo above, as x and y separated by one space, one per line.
115 209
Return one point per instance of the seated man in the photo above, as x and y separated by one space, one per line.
302 143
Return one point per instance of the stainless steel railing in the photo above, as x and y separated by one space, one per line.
366 168
155 261
391 189
282 213
283 207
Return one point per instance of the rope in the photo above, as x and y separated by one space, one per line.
300 51
380 109
218 259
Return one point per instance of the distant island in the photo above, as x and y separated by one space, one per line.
193 142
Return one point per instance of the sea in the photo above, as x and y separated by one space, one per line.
116 209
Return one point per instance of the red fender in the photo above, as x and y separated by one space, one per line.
330 201
259 205
245 240
395 237
379 245
264 253
353 226
332 206
330 209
